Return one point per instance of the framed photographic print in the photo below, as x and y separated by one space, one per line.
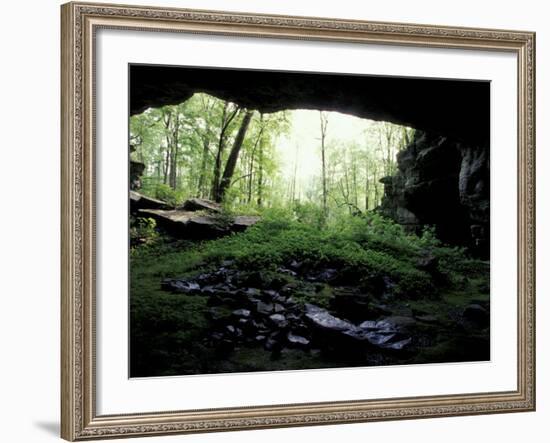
282 221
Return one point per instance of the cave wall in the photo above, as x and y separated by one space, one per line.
445 184
456 108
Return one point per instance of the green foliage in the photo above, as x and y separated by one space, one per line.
166 193
142 231
356 245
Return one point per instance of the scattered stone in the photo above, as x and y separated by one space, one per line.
180 286
297 340
245 313
287 271
279 320
325 276
322 319
264 308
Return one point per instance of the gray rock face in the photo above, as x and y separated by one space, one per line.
139 201
297 340
187 224
392 333
442 183
322 319
200 204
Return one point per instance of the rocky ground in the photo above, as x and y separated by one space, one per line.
299 317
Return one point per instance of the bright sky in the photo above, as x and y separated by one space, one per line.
304 142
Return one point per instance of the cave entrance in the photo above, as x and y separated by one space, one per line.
440 177
296 221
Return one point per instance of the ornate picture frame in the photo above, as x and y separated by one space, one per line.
80 22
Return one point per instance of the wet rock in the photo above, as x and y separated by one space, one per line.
278 308
295 265
245 313
180 286
325 276
208 290
270 294
259 325
279 320
287 272
392 333
323 320
297 340
264 308
368 325
290 302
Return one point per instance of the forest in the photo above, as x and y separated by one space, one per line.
212 149
257 243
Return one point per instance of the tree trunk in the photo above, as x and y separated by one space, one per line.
226 120
202 175
324 122
233 157
260 172
174 154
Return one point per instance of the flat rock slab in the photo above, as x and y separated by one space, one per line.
200 204
188 224
139 201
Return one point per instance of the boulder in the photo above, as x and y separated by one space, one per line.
139 201
279 320
199 204
297 340
187 224
322 320
181 286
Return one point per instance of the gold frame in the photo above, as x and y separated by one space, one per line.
79 21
